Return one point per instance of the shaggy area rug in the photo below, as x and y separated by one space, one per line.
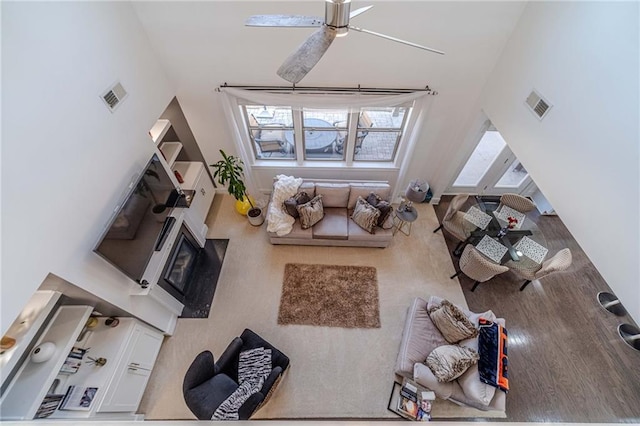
330 295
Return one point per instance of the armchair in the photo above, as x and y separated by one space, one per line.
207 383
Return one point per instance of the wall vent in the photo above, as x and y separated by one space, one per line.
538 105
114 96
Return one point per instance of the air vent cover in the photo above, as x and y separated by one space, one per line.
538 105
114 96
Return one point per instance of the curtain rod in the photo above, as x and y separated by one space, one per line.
329 89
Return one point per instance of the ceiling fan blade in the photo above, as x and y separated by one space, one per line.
300 62
283 21
419 46
359 11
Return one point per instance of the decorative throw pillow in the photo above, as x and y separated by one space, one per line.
382 205
291 204
452 322
365 215
311 212
448 362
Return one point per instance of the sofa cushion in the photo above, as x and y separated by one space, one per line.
311 212
291 204
474 389
333 226
449 361
365 215
364 189
333 194
419 337
298 232
452 322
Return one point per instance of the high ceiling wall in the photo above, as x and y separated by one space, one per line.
204 44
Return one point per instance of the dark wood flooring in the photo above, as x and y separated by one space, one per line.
566 360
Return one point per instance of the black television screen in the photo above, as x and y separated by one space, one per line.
131 236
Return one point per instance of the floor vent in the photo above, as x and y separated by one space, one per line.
114 96
538 105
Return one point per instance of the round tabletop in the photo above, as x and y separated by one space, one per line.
407 215
315 140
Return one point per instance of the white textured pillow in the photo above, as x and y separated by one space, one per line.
474 389
452 322
311 212
365 215
450 361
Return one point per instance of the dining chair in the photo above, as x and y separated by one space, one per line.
270 138
530 270
477 267
364 121
454 221
517 202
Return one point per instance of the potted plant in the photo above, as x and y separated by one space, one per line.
229 171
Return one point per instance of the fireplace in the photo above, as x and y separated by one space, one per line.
180 264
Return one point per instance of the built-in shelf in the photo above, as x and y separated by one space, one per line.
170 150
190 171
159 129
25 328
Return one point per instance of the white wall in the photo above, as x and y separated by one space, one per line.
65 158
583 57
205 44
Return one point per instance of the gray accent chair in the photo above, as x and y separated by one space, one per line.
207 383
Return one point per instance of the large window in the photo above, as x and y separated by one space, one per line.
371 134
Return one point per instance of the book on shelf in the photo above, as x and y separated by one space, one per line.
74 360
78 398
48 405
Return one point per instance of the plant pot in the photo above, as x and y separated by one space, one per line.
243 206
255 216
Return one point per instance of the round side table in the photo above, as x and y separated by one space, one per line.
403 220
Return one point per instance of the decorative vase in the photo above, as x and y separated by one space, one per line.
243 206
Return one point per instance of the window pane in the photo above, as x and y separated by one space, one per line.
483 156
268 129
382 117
323 129
374 145
513 177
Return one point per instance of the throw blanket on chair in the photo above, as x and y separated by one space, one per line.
492 347
254 366
278 220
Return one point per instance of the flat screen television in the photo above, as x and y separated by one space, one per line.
141 222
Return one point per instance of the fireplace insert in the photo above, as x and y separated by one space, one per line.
179 267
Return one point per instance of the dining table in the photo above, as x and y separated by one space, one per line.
505 235
315 140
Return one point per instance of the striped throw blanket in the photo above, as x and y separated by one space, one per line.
254 366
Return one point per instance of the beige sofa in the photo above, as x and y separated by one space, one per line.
337 228
420 336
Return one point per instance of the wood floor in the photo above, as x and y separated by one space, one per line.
566 361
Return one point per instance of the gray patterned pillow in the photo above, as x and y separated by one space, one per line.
291 204
311 212
380 204
452 322
365 215
449 362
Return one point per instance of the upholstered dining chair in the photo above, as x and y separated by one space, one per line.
530 270
477 267
517 202
454 221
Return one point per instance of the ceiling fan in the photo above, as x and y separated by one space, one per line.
336 24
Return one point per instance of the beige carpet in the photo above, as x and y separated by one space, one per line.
334 372
329 295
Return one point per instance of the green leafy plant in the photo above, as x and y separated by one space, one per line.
229 171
